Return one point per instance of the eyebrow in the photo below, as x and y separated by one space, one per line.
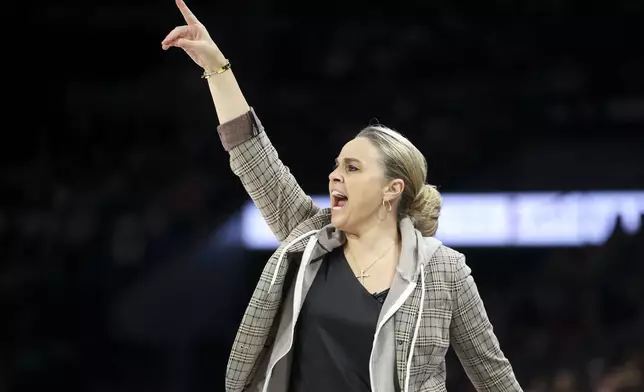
348 160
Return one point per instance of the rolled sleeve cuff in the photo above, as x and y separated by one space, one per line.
239 130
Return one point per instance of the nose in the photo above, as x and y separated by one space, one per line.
335 176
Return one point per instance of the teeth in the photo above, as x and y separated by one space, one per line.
338 194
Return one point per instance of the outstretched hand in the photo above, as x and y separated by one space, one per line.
194 39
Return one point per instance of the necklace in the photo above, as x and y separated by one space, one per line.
363 272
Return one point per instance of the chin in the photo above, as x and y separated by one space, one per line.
339 222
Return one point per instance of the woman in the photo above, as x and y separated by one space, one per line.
358 297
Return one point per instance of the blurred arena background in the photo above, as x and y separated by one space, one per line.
129 252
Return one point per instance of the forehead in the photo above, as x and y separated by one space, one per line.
361 149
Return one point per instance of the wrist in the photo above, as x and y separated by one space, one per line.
215 61
208 72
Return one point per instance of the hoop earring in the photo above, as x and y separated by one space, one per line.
387 206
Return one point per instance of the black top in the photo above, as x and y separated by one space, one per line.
335 331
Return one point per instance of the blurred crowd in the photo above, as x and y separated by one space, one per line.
123 174
71 243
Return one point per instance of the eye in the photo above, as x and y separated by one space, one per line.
351 168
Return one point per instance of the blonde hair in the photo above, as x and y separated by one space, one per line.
401 159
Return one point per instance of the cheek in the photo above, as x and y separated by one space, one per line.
367 198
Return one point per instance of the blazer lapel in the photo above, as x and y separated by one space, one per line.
404 323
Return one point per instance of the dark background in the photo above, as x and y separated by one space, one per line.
114 183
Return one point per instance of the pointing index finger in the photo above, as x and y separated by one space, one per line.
189 17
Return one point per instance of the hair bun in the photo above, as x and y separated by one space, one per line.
425 210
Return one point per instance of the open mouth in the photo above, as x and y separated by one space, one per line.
338 200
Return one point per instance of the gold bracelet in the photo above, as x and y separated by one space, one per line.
222 69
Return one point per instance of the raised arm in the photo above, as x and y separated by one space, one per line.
253 158
269 183
473 339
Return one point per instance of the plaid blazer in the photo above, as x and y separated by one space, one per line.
453 312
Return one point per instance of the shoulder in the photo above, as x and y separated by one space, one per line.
445 254
321 219
298 236
442 260
437 253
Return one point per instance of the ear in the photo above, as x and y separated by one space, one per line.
393 190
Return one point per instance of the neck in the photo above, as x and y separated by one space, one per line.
375 238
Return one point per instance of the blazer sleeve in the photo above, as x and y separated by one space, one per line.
269 183
473 339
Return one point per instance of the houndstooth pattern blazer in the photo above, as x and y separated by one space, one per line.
453 312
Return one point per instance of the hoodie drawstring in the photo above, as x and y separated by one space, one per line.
283 252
